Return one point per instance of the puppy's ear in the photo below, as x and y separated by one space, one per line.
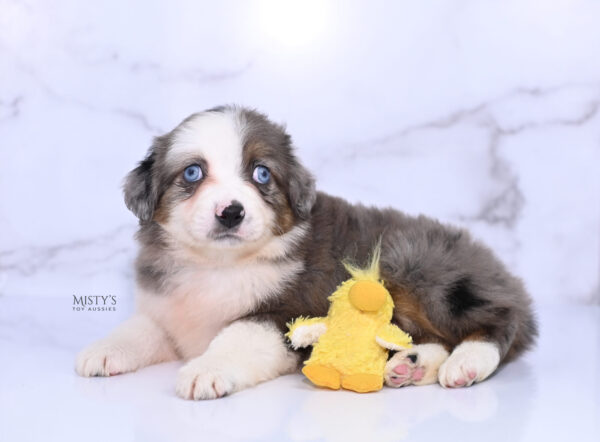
302 192
139 189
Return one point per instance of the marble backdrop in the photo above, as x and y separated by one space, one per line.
483 114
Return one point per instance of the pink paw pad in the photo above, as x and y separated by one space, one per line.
407 372
401 369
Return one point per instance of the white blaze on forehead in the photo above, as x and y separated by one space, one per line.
213 136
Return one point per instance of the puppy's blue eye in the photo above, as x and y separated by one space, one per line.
192 173
261 175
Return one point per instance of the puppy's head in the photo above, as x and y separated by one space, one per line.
223 179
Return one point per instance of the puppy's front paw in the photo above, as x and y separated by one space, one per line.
200 380
104 359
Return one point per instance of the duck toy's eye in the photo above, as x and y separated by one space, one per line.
192 173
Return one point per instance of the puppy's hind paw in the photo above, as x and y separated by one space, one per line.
415 366
470 362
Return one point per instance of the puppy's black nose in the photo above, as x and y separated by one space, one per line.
232 215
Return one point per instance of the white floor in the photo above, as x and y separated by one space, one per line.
551 394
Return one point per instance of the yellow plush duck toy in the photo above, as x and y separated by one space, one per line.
350 345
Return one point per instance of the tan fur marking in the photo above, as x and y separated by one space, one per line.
411 318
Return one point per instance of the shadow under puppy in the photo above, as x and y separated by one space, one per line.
235 242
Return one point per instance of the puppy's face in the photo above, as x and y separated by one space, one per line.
223 179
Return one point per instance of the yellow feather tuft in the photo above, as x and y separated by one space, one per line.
372 271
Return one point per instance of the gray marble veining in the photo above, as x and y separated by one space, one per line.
398 105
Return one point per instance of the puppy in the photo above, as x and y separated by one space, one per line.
235 241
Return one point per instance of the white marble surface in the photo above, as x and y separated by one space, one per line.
484 114
552 394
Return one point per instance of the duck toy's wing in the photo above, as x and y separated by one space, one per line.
304 332
393 338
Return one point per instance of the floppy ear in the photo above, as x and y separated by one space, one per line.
302 192
139 189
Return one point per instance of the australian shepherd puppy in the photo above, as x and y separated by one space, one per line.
235 242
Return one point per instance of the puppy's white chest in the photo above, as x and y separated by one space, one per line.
205 300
